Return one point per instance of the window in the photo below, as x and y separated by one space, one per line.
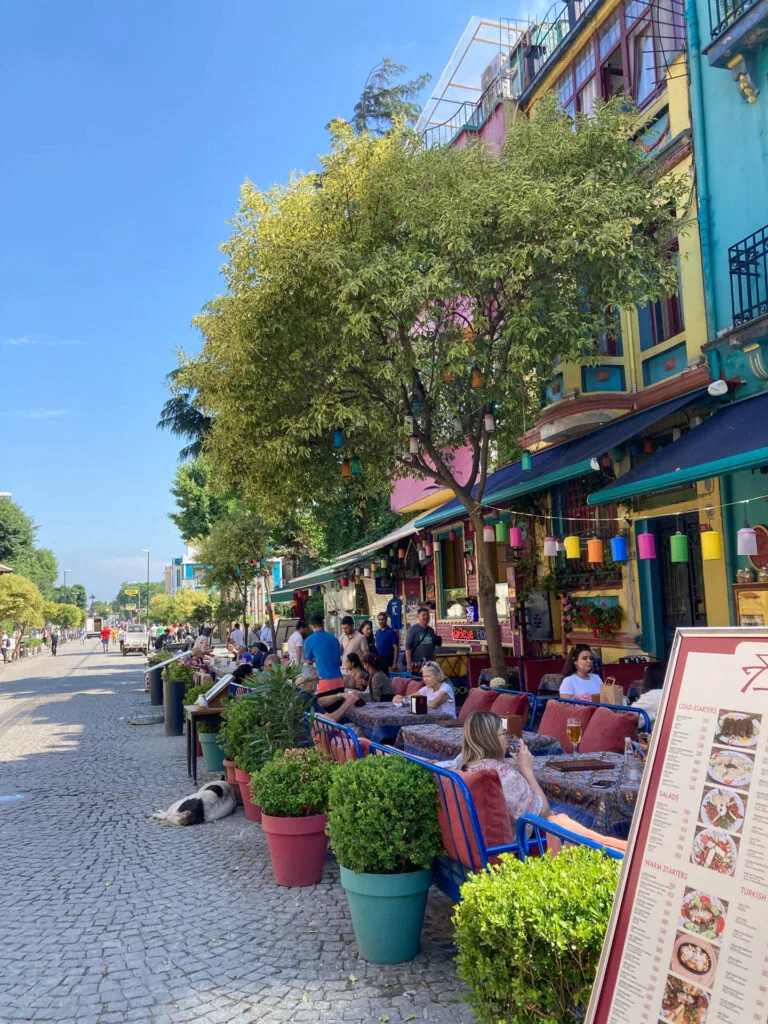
659 321
610 35
609 344
453 578
643 65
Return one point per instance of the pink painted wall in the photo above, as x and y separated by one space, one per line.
492 131
410 489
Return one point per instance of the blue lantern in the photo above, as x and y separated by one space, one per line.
338 438
525 462
619 549
356 466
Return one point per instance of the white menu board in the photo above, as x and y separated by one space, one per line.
688 937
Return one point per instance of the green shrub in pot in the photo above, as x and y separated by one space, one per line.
279 712
175 670
158 657
529 936
239 719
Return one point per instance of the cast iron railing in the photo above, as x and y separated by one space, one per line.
748 264
468 114
723 13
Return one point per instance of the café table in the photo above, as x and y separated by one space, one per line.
602 792
382 722
191 714
438 743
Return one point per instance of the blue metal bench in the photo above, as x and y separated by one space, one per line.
533 703
536 842
339 741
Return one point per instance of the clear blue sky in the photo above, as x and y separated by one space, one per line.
127 129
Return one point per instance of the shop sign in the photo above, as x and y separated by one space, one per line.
465 633
687 939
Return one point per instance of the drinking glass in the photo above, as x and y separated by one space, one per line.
574 732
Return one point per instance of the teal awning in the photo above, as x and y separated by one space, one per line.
734 438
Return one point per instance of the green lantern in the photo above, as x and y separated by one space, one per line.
525 462
502 533
678 547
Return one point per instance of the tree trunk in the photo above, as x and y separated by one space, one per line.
486 599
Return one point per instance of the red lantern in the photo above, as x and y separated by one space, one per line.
648 446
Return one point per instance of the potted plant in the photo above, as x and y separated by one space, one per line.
248 763
238 721
292 791
213 754
529 935
382 824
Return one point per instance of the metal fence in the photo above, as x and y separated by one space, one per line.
748 264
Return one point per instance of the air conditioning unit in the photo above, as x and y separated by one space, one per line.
494 82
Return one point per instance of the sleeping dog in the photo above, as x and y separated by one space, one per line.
212 801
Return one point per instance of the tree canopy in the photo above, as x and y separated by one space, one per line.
384 101
21 603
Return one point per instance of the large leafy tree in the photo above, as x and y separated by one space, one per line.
182 415
17 532
386 101
404 294
21 603
199 503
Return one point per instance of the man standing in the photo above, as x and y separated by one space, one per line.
5 647
323 650
105 635
236 636
420 642
54 641
352 642
253 635
266 635
387 642
296 643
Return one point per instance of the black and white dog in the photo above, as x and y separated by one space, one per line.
212 801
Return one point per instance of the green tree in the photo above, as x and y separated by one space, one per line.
198 502
17 532
101 608
39 565
182 415
124 602
67 615
21 603
384 101
162 608
435 284
79 595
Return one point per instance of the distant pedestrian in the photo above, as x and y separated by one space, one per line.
236 636
5 647
121 633
54 642
266 635
44 635
82 636
105 635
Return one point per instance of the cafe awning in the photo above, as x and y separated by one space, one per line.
734 438
564 461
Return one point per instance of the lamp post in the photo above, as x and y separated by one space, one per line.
93 598
146 551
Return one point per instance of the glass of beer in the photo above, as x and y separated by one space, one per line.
574 732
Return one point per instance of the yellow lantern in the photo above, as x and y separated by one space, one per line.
711 546
572 547
594 550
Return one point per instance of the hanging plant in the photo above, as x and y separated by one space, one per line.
600 618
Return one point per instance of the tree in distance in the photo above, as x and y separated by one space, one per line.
21 604
385 102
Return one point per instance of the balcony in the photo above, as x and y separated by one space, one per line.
739 29
748 265
469 116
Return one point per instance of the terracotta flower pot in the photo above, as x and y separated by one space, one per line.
198 745
229 775
252 810
297 848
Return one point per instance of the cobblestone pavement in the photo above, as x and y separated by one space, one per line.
106 916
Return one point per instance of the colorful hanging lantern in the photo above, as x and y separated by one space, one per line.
646 546
346 468
355 466
605 461
367 572
436 547
648 446
428 550
572 547
451 535
515 537
711 546
413 444
421 552
447 376
489 534
373 567
678 547
338 438
344 581
594 550
489 423
634 449
477 380
501 533
550 547
383 563
619 549
401 552
619 453
392 552
746 540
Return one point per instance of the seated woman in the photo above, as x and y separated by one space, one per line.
437 689
380 685
356 676
242 673
653 683
579 680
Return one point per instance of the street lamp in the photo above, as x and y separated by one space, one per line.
146 551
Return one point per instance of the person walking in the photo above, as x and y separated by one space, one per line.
54 641
44 635
121 633
105 635
82 636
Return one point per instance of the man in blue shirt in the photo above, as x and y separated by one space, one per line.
323 650
387 642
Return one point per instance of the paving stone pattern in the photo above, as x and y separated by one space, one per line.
106 916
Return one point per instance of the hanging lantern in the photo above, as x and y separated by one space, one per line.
634 450
392 552
489 422
572 547
605 461
550 547
421 553
447 376
560 546
344 581
501 533
746 540
416 403
317 590
489 534
594 550
648 446
515 537
451 535
356 466
525 462
346 468
413 444
383 563
477 380
367 573
619 549
678 547
401 552
436 547
338 438
646 546
711 546
618 454
428 550
373 567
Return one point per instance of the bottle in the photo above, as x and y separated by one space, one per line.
633 768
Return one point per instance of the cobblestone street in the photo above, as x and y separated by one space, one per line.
110 917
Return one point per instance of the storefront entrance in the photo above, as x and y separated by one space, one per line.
682 583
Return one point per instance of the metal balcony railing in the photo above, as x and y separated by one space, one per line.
748 265
468 114
723 13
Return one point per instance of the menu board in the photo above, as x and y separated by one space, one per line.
688 938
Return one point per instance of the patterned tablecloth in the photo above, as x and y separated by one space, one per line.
440 744
382 722
602 793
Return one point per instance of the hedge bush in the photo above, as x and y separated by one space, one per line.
529 936
294 784
382 816
239 720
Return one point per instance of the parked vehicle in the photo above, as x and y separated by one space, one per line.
136 639
93 626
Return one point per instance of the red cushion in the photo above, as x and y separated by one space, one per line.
365 745
478 700
455 820
400 685
555 844
554 721
511 704
607 730
414 685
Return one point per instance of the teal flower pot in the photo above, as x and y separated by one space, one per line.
213 754
387 913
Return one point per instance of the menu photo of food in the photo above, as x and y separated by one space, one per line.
732 768
703 915
694 960
738 729
684 1003
714 849
723 808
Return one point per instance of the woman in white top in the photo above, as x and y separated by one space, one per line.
579 680
653 682
436 689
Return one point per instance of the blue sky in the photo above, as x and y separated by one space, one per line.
127 130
